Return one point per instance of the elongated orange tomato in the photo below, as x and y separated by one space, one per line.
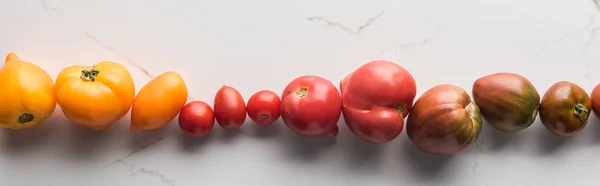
158 102
26 96
95 96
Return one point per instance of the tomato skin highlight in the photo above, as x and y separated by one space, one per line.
565 108
229 108
444 120
508 102
311 106
377 97
595 96
196 119
263 107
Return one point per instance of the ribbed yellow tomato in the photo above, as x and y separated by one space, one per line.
158 102
26 96
95 96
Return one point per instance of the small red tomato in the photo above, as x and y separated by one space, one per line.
263 107
196 119
311 106
230 108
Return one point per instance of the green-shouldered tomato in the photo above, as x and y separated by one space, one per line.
508 101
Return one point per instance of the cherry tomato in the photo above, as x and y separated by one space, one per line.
263 107
196 119
230 108
311 106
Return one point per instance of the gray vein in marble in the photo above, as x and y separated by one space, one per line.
343 27
596 4
47 5
112 50
133 172
139 149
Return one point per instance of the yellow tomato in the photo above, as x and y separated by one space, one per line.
26 96
95 96
158 102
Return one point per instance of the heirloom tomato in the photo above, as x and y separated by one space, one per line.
263 107
196 119
444 120
565 108
311 106
158 102
230 108
508 101
377 97
95 96
26 94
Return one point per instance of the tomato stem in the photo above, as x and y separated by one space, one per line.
25 117
263 115
400 108
89 75
302 92
580 111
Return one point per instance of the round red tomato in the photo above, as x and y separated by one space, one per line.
263 107
311 106
230 108
196 119
377 97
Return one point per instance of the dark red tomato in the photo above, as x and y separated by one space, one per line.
230 108
196 119
565 108
311 106
263 107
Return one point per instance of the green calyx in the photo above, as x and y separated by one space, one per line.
25 117
580 111
90 74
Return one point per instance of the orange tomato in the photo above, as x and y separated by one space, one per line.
95 96
26 96
158 102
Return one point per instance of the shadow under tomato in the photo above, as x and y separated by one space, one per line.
85 143
194 144
362 154
268 131
498 140
425 166
594 126
304 148
17 141
550 143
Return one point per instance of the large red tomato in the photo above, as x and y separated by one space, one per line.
230 108
311 106
377 97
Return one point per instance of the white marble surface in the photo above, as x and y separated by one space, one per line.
263 44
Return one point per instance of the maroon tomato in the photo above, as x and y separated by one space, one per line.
377 97
230 108
311 106
263 107
444 120
196 119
